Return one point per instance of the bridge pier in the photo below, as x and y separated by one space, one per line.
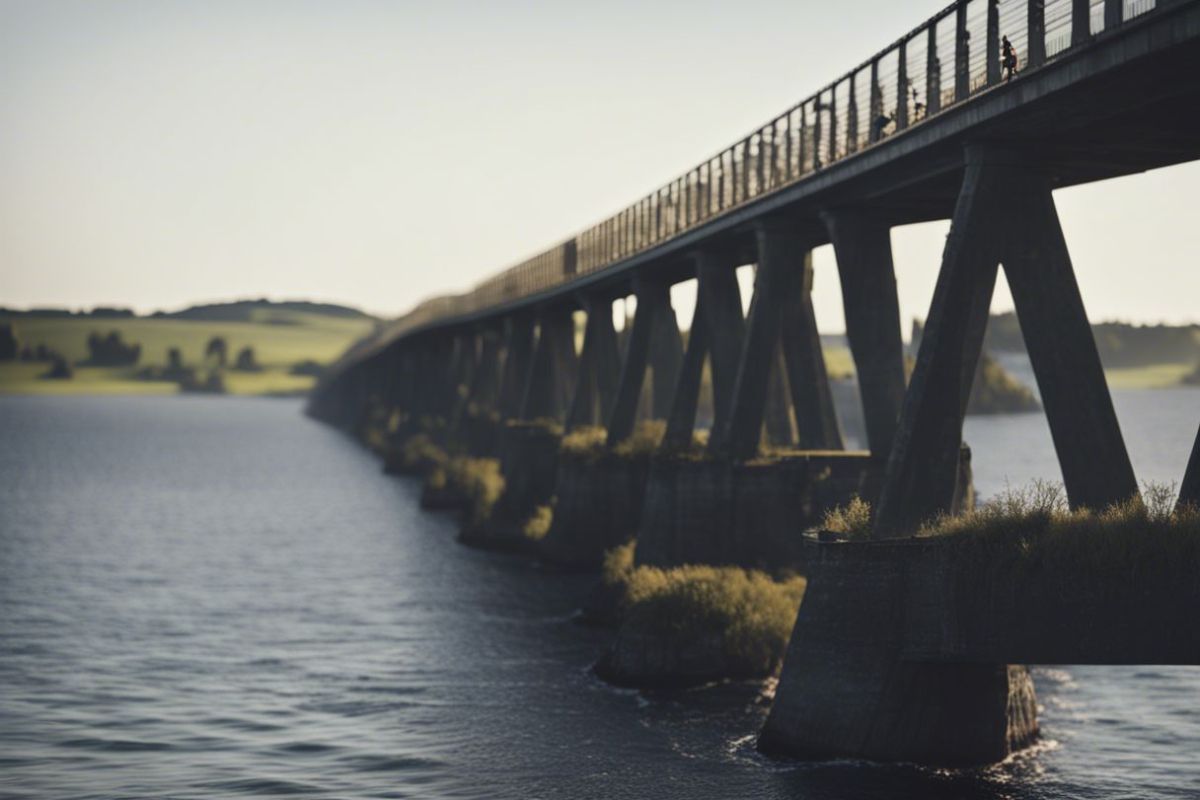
781 310
1005 212
599 368
599 497
847 691
863 248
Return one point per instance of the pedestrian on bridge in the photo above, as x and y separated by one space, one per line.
1008 58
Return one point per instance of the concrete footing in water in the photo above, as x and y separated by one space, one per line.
750 513
849 689
598 507
529 464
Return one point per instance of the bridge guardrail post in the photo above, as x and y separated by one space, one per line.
1035 54
993 42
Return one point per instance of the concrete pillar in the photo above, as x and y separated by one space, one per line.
780 250
1189 490
922 471
681 421
779 428
999 196
812 399
595 386
652 300
863 247
666 358
486 384
518 351
719 295
464 379
1087 437
552 371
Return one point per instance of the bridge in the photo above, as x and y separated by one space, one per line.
931 127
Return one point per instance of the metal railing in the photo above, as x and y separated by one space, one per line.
952 56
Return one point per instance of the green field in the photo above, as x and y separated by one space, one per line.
279 338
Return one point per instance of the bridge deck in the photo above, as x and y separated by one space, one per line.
1120 102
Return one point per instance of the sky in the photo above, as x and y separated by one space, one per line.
154 154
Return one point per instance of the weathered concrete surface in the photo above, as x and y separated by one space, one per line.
529 464
750 513
899 649
646 660
598 506
845 690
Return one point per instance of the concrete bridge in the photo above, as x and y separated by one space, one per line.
928 128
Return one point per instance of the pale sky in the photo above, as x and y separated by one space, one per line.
158 153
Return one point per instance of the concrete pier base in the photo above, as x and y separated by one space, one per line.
598 507
529 464
847 690
745 513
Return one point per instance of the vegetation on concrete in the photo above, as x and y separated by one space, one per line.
590 443
696 623
538 524
1035 523
852 521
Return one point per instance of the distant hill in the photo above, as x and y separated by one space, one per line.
252 310
1119 343
234 311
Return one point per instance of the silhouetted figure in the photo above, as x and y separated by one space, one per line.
881 123
1008 58
918 106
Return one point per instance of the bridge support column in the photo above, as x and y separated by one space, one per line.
551 375
863 248
1189 490
599 368
812 399
652 302
666 359
681 420
781 287
779 427
518 351
721 298
1005 212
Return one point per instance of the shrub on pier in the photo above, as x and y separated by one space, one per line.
697 623
538 524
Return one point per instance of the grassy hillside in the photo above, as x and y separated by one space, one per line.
280 338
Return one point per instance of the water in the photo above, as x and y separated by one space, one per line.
213 597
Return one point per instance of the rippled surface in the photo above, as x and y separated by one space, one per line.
210 597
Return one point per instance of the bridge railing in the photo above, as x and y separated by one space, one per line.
952 56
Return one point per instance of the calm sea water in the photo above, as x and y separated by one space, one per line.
212 597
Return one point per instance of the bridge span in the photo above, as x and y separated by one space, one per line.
931 127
